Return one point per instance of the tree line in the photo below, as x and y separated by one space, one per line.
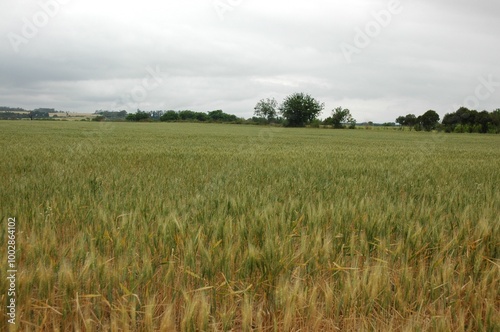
299 110
296 110
471 121
185 115
461 121
8 113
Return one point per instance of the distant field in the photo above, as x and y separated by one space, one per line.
157 226
60 116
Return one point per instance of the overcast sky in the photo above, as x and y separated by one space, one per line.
380 59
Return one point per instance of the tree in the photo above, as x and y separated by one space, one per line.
450 121
463 114
341 116
156 114
456 121
411 120
169 116
142 116
139 116
122 114
429 120
408 120
299 109
495 119
187 115
266 108
220 116
201 116
483 119
401 120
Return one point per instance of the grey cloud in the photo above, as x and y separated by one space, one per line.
92 54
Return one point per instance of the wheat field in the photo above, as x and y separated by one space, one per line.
207 227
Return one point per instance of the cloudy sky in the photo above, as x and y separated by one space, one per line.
380 59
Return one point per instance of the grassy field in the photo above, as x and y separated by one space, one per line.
155 226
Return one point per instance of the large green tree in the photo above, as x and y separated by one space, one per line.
266 108
409 120
341 116
429 120
300 109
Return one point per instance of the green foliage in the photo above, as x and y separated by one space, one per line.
259 120
220 116
429 120
266 108
328 121
299 109
461 121
12 109
217 115
187 115
340 117
14 115
201 116
190 116
315 123
459 129
139 116
98 118
170 116
39 114
410 120
465 120
112 115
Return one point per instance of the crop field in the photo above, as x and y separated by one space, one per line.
209 227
